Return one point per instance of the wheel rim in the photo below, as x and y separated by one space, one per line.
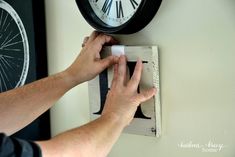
14 49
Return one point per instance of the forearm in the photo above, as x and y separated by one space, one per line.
21 106
94 139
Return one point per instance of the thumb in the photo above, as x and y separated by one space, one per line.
146 95
107 62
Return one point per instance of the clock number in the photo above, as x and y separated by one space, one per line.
119 9
107 6
134 4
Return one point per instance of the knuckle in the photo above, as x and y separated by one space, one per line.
135 79
111 59
135 100
94 33
107 38
110 93
103 36
145 94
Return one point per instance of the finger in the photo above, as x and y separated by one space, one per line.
127 77
146 95
99 42
103 39
93 36
107 62
115 76
85 41
135 79
121 71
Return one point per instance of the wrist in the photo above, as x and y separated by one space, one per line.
71 77
115 119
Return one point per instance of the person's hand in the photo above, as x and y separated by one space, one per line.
89 64
122 99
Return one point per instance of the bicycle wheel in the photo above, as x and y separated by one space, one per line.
14 49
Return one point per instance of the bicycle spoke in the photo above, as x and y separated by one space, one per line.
14 49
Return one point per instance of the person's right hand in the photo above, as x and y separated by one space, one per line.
123 100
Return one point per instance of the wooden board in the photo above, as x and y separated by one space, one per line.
147 120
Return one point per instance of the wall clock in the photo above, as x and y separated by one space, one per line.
118 16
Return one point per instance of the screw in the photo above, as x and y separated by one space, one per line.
153 129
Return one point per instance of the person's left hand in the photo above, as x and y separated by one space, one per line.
89 64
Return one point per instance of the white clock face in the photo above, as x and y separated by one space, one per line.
115 12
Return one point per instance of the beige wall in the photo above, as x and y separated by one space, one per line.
197 55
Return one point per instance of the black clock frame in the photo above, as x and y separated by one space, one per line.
143 16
